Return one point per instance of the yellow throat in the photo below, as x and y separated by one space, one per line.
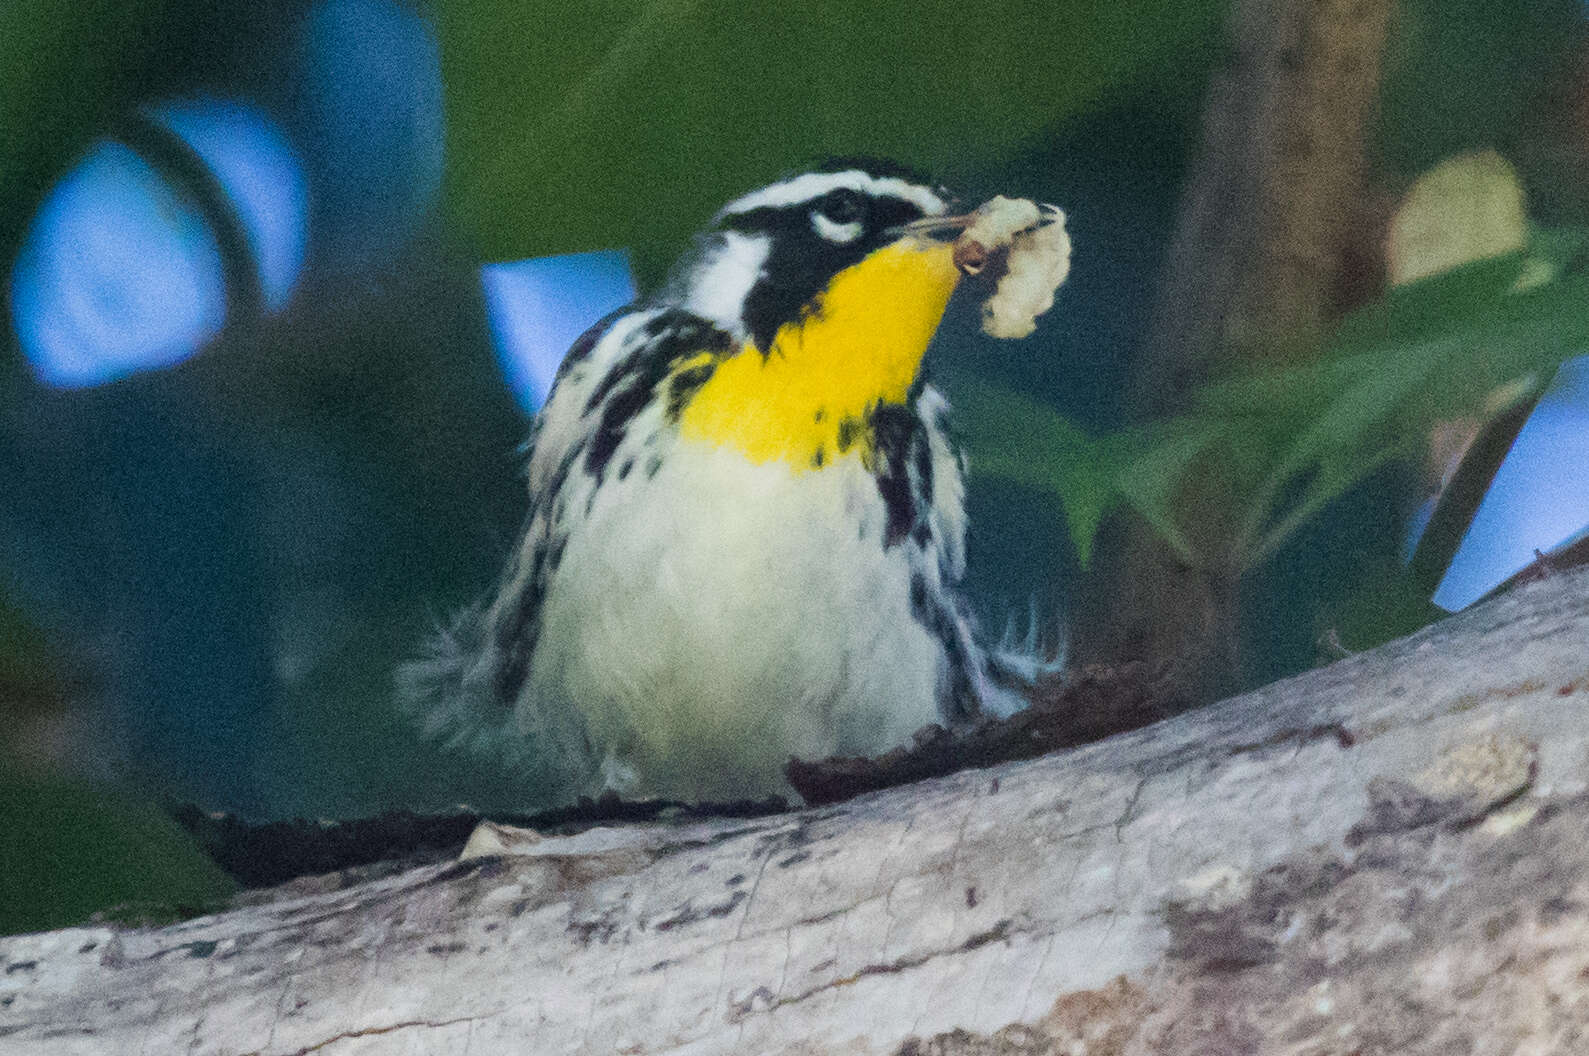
806 400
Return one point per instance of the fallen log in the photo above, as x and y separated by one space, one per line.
1386 855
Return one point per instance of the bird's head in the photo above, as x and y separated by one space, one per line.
832 284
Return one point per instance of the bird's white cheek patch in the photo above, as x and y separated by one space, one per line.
834 231
718 290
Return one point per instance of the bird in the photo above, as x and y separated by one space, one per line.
746 533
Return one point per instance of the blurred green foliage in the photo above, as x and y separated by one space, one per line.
71 850
1293 441
1461 74
30 674
598 124
65 70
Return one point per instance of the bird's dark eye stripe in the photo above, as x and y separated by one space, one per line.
753 220
886 212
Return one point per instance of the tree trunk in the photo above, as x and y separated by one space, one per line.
1268 248
1381 856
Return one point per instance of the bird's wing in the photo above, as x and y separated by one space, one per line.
465 686
946 514
470 688
1000 673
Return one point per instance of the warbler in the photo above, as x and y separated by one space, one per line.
747 519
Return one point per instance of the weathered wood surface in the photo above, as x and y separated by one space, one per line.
1388 855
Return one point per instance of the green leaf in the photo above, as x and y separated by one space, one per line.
1334 478
1439 304
598 123
1384 603
1016 438
1153 477
1432 350
1289 442
71 850
1552 251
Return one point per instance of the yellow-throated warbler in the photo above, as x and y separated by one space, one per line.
747 518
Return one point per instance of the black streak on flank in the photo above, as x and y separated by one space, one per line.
921 450
851 430
960 701
685 384
634 382
819 458
518 628
895 432
516 634
618 412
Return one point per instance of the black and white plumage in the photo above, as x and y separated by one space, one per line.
747 520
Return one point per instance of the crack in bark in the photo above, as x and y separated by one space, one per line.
1000 932
1299 737
364 1032
1127 816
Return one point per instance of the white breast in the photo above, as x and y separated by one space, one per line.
713 619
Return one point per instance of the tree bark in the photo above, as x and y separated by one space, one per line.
1269 246
1270 218
1381 856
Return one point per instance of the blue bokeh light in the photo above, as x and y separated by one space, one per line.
370 118
262 178
122 270
538 307
119 272
1538 499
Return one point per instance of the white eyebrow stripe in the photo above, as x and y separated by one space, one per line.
814 185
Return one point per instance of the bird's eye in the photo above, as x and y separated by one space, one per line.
839 216
842 206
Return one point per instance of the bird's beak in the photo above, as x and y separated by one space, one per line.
935 228
943 234
969 257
